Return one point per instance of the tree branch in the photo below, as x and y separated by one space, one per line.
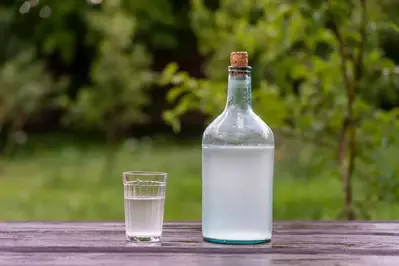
341 48
358 64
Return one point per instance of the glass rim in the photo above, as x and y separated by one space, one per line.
145 183
144 173
129 176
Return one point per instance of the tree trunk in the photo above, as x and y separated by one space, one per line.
346 161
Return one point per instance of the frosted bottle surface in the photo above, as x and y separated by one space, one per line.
237 167
237 189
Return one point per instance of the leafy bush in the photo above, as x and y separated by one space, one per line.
25 86
120 75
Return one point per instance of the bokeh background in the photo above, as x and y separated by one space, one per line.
90 88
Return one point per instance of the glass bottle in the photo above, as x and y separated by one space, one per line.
237 167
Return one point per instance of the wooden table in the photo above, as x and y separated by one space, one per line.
103 243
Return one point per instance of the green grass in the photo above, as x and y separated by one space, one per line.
53 178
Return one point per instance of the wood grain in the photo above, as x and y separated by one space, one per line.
188 259
293 243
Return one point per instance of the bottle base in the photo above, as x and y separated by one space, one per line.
236 242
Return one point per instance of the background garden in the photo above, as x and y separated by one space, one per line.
89 88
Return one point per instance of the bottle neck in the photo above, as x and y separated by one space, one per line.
239 88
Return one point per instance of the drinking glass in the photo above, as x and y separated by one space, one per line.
144 194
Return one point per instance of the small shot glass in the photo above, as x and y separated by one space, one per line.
144 194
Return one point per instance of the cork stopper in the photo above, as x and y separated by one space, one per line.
239 59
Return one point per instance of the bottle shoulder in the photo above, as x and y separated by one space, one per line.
235 127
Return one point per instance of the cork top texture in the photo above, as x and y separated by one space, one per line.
239 59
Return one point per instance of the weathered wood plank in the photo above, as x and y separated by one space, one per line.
188 259
281 227
289 238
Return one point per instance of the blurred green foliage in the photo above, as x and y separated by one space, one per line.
119 75
25 85
316 66
324 72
